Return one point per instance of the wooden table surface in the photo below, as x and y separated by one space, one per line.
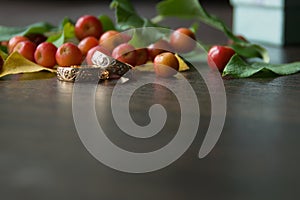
42 157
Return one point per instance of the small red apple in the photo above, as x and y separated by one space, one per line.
158 47
91 52
87 43
166 64
15 40
112 38
45 54
218 56
125 53
141 56
26 49
183 40
88 25
68 54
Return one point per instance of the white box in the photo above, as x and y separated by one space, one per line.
268 21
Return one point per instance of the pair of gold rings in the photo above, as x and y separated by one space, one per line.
105 67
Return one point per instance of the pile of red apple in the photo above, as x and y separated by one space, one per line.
91 37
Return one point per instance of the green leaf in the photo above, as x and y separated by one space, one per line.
190 9
249 50
239 68
3 54
54 37
60 38
63 22
69 30
179 8
145 36
127 17
107 23
3 50
7 32
16 64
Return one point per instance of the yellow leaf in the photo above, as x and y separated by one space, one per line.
16 64
182 65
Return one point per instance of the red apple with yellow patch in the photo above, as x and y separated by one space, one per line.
44 54
88 25
68 54
166 64
125 53
26 49
12 42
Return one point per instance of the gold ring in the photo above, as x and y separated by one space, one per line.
81 73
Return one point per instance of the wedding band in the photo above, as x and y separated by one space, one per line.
113 66
81 73
105 67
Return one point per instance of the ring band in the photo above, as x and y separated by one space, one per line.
105 67
79 73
